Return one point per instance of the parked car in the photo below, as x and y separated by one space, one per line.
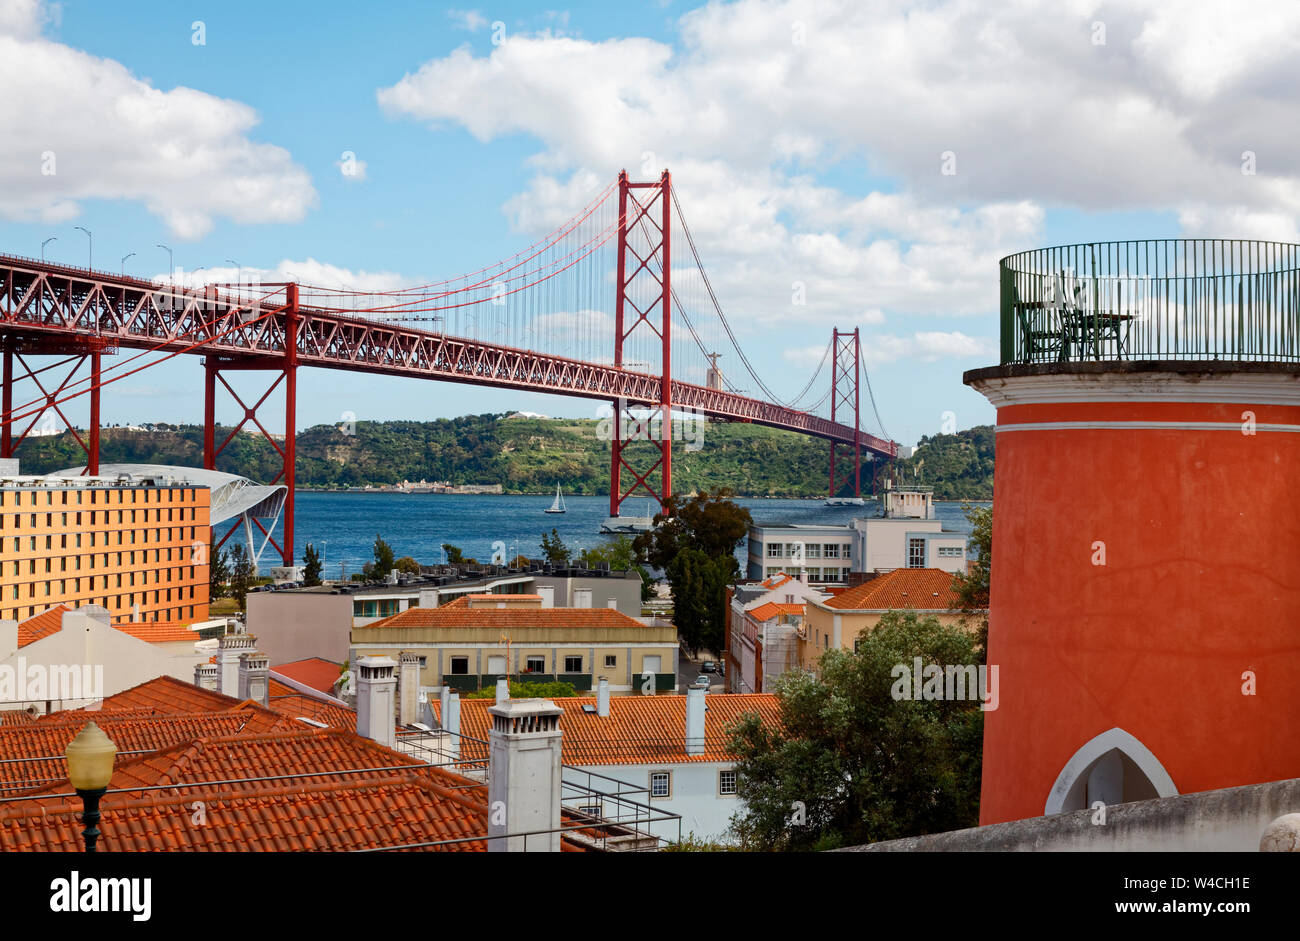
702 680
708 666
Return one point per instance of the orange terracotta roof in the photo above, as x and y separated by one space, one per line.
459 602
490 596
638 729
132 731
166 694
513 618
919 589
766 612
314 672
326 816
294 705
49 621
776 581
159 632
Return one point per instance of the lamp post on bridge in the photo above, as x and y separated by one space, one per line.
90 252
52 238
171 265
124 258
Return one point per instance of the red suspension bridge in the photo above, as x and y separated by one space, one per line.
561 316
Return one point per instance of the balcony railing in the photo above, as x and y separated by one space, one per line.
1164 299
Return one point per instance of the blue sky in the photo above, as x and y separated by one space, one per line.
826 173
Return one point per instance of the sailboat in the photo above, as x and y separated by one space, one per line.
558 505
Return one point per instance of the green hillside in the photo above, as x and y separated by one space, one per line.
529 455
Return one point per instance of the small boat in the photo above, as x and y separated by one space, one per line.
558 505
845 501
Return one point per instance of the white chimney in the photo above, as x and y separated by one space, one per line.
376 690
207 676
582 597
230 647
548 595
254 676
524 776
503 689
408 688
428 598
602 697
695 721
611 602
451 724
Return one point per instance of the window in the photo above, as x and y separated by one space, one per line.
460 666
573 664
611 660
661 784
535 664
814 575
726 782
832 550
950 552
813 550
774 550
916 553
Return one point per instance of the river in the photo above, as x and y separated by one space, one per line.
343 526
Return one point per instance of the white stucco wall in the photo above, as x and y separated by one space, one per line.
694 796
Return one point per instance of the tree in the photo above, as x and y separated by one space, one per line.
852 764
621 556
454 555
972 586
553 547
218 572
311 566
694 543
242 573
407 565
383 559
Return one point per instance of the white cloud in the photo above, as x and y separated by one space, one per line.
471 20
94 131
927 347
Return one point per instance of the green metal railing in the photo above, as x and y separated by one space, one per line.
1156 299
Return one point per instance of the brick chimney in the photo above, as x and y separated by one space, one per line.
408 688
524 776
695 721
376 692
254 676
230 647
602 698
207 676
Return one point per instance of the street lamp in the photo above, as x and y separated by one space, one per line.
90 767
52 238
171 267
90 252
124 258
239 270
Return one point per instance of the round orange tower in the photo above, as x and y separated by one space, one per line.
1145 603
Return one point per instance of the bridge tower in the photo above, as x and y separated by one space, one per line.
284 370
643 296
78 352
845 371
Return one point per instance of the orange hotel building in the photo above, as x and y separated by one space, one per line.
117 542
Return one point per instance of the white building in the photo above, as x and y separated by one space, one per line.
907 535
666 752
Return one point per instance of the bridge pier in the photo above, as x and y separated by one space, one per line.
285 369
79 351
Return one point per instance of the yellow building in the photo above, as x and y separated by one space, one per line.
471 642
137 547
837 622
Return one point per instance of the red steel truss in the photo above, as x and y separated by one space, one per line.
651 306
46 307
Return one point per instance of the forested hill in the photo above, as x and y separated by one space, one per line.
528 455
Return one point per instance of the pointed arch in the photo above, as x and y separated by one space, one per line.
1072 782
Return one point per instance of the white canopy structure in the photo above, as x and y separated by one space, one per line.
232 496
